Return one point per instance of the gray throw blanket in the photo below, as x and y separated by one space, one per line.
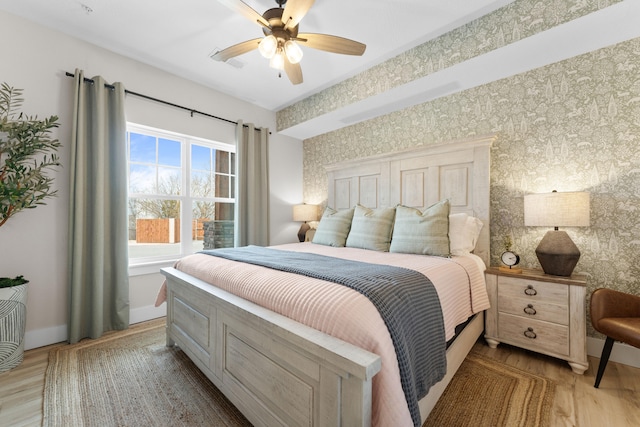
406 300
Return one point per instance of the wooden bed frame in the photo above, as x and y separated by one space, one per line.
277 371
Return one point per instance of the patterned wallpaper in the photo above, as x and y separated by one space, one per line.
516 21
573 125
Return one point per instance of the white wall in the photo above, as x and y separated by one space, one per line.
34 242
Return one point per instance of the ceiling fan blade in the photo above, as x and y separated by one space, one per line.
333 44
246 11
294 71
294 11
236 49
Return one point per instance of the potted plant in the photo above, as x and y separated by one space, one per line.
13 316
27 153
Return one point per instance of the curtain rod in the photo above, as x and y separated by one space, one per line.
140 95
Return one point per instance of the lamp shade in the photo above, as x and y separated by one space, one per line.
305 212
556 252
570 209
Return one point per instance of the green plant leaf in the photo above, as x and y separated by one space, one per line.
7 282
27 154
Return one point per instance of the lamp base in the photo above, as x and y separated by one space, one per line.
302 233
557 253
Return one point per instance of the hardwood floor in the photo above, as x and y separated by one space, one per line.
21 390
577 403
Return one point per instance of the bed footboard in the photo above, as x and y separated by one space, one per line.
275 370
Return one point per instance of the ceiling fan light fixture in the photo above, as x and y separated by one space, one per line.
293 51
277 60
281 40
268 46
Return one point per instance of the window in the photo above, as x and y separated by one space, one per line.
181 194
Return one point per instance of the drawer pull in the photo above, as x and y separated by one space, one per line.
530 310
530 334
530 291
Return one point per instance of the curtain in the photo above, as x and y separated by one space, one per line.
98 240
252 186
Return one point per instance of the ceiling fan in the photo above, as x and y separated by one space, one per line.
281 41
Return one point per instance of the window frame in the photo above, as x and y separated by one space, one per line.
148 265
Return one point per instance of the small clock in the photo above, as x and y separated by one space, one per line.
510 259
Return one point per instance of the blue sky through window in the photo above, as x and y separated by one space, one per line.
200 158
143 148
169 152
155 164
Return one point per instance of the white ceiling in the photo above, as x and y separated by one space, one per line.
179 37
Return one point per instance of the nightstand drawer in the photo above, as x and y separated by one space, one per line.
536 310
533 290
534 334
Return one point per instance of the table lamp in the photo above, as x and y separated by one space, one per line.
304 213
557 253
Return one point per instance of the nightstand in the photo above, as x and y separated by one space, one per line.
539 312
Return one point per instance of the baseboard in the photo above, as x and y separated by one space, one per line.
621 353
45 336
55 334
149 312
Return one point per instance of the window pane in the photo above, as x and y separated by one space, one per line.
169 181
214 224
142 179
201 184
203 212
200 158
233 163
222 186
154 208
233 187
222 161
169 152
142 148
154 227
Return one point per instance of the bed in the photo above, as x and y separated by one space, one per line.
276 358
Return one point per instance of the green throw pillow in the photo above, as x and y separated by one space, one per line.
371 228
426 233
333 228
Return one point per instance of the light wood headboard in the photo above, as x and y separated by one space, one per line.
457 170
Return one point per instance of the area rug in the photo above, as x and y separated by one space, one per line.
131 378
484 392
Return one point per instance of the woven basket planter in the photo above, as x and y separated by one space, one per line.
13 319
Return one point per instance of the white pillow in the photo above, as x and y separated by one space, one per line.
463 233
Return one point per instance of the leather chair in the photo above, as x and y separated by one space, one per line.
617 315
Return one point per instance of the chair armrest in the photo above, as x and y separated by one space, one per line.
610 303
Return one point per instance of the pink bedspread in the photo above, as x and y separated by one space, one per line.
329 307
